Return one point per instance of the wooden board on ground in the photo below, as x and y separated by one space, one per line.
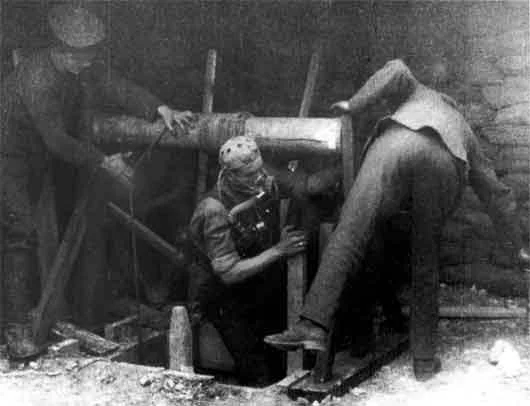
88 340
154 350
349 372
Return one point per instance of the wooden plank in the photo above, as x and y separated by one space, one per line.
349 372
349 164
45 313
324 362
121 329
207 107
176 256
88 340
292 378
148 316
312 73
297 265
296 289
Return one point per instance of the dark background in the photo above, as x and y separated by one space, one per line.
264 48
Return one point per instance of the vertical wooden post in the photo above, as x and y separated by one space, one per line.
349 154
207 107
324 363
297 265
312 73
296 288
202 177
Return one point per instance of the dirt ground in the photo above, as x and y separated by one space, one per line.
467 378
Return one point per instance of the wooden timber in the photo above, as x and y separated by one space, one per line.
349 372
45 314
207 107
172 253
89 341
297 265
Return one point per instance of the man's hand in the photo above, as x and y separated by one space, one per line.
291 242
119 170
174 118
341 107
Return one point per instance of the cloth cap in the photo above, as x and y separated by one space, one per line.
76 26
240 154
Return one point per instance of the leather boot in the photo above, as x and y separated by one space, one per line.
19 339
425 369
20 274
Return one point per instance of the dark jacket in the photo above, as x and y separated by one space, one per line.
41 110
418 107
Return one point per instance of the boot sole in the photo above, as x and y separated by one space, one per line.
308 345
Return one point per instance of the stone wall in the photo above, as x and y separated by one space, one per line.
496 103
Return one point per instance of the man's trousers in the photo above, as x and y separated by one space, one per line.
402 169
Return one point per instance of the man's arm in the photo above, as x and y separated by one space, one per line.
123 92
497 198
46 113
393 82
300 184
220 247
135 99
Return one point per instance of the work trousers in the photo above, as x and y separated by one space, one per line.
20 276
402 169
243 315
30 231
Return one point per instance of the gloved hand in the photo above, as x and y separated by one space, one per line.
116 167
174 118
341 107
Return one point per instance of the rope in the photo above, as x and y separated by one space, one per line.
220 128
136 272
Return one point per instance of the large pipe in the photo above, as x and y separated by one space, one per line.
210 131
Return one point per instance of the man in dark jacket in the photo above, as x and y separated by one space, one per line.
419 161
40 121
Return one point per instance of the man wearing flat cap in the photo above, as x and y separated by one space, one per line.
40 119
417 161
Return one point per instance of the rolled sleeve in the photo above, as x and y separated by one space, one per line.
212 230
